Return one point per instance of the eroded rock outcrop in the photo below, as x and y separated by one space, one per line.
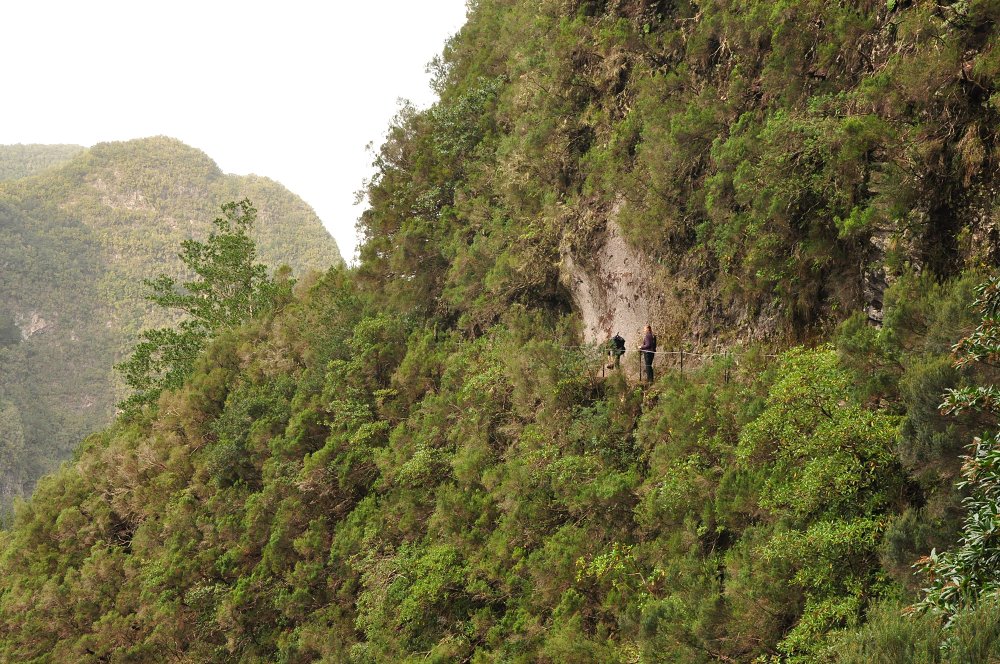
611 285
618 288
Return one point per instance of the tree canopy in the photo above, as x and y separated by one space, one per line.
419 460
80 229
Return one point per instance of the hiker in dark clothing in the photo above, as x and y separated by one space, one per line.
648 351
616 348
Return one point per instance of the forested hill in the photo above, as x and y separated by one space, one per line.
77 239
147 195
18 161
420 459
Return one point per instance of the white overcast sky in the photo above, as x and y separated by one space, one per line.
288 89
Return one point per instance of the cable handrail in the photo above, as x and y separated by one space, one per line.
604 350
698 358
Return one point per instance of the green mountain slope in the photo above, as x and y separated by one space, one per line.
79 238
54 382
422 459
123 191
18 161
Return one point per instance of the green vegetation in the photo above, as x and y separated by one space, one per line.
339 481
416 461
76 241
230 289
54 359
18 161
964 577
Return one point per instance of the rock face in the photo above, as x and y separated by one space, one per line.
611 286
31 324
616 288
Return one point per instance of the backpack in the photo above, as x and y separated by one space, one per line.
618 344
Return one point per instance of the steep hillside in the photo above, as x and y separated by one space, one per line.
422 459
77 241
341 483
54 379
775 163
141 198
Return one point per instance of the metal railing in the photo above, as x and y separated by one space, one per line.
680 359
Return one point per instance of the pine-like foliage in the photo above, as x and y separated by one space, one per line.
80 230
419 461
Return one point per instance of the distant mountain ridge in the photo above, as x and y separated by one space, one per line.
79 231
22 160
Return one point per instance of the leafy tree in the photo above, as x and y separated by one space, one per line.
827 472
77 238
968 574
411 462
229 288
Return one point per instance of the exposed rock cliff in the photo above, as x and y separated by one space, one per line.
611 286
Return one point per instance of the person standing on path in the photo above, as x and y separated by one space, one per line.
616 348
648 352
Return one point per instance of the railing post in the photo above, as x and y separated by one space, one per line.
682 360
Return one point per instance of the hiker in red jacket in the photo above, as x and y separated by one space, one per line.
648 351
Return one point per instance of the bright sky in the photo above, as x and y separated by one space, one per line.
290 89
